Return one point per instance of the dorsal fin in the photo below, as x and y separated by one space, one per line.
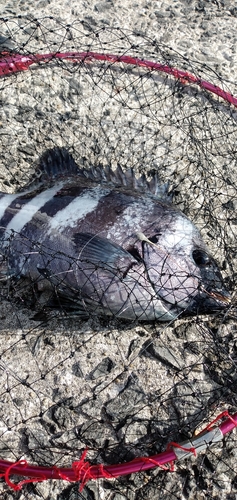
119 178
57 163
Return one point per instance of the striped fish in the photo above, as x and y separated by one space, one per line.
107 243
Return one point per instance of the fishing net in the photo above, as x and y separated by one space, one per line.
118 389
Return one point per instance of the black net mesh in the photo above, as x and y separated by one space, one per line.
121 389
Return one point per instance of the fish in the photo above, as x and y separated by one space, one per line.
107 243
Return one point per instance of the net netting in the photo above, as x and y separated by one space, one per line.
117 388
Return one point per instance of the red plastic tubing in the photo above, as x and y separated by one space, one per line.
75 473
17 62
83 471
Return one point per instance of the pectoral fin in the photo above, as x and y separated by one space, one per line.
103 253
103 273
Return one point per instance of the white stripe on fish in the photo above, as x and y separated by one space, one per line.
6 201
180 237
77 209
27 212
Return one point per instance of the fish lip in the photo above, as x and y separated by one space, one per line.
220 297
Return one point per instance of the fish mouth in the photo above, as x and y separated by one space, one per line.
210 301
225 297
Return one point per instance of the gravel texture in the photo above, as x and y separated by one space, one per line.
123 390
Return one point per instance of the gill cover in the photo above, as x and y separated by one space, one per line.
171 275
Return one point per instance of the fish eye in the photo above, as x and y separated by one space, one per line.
201 258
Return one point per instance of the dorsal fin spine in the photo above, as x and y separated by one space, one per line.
58 163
